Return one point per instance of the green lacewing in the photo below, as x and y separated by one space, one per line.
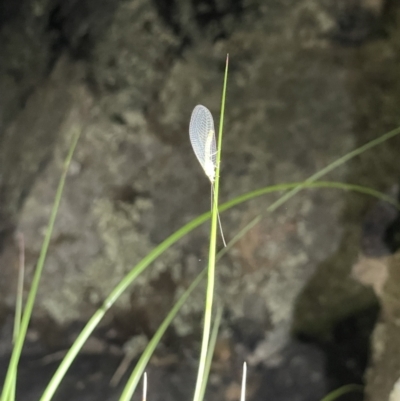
202 138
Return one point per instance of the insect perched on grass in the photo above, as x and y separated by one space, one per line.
202 138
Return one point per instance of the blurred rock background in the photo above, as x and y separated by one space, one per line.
309 81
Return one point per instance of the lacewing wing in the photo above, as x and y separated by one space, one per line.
202 138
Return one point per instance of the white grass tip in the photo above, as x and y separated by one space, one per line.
144 398
244 379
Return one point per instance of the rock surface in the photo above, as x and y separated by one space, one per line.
306 86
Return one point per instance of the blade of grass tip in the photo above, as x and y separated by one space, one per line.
348 388
16 353
316 184
137 372
337 163
212 251
211 348
153 255
244 380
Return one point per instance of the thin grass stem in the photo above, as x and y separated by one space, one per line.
212 253
17 349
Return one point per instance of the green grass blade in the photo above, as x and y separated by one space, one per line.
13 389
348 388
337 163
127 280
137 373
294 185
18 304
139 369
20 286
210 351
145 262
109 301
134 379
212 253
143 361
17 349
331 185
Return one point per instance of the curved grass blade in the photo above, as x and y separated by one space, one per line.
145 262
348 388
19 342
141 365
130 277
148 352
144 359
337 163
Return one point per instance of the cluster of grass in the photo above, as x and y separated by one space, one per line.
210 328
